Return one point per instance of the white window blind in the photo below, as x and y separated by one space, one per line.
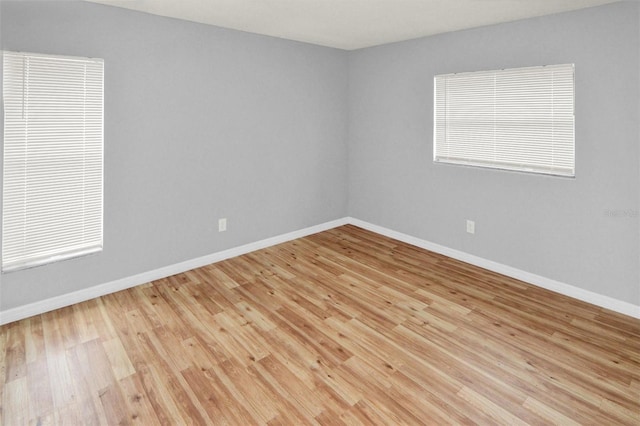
515 119
53 158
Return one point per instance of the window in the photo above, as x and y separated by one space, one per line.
53 150
515 119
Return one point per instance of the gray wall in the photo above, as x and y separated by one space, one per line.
582 231
200 123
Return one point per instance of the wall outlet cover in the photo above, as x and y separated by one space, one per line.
471 227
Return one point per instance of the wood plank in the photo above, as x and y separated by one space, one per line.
340 327
15 402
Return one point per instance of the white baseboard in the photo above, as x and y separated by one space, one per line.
61 301
57 302
537 280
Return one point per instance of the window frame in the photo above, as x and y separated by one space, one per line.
500 90
62 117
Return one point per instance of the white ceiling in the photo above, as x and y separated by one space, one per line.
351 24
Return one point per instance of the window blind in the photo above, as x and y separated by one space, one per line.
516 119
53 158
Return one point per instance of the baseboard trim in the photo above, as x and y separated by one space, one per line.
537 280
36 308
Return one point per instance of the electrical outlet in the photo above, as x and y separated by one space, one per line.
222 224
471 227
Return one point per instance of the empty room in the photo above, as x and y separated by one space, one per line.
313 212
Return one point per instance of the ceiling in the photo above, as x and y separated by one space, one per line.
351 24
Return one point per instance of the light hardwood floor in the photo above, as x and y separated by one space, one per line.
341 327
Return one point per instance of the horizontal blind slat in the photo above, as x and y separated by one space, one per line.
53 157
521 119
